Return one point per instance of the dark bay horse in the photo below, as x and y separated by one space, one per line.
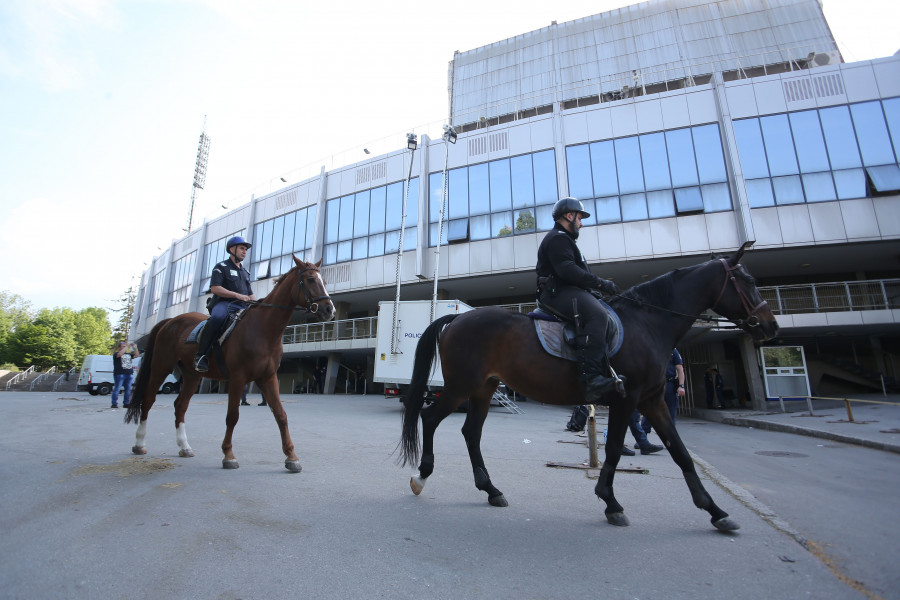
252 353
484 346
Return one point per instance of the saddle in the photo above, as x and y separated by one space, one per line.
216 348
557 333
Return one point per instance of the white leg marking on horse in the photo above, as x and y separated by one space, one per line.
416 484
141 434
181 437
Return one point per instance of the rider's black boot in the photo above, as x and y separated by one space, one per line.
201 362
597 379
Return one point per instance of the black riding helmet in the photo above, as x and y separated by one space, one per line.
567 205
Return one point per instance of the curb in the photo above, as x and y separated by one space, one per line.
837 437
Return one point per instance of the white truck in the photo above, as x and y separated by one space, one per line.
394 365
96 376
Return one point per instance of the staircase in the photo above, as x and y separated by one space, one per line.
871 377
34 381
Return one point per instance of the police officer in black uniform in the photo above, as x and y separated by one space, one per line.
230 285
563 276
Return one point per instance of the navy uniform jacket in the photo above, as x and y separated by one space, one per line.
232 278
558 255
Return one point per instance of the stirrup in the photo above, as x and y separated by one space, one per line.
201 363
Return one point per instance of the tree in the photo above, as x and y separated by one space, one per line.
525 222
122 331
47 341
91 332
15 312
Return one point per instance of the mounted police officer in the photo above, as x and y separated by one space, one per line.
230 286
562 276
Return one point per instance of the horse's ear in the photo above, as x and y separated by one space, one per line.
319 264
297 261
737 256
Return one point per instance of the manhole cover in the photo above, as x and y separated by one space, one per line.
781 453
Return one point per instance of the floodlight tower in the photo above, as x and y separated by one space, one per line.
199 171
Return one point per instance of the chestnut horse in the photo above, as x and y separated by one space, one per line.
252 353
487 345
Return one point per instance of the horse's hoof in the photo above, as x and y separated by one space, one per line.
230 463
726 524
416 484
618 519
139 449
292 465
186 453
498 501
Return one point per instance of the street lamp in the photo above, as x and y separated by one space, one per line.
411 141
449 136
411 144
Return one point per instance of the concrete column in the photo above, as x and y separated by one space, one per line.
753 372
331 371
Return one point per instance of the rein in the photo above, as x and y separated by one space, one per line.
312 305
752 319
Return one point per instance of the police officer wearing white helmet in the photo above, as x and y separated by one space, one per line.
562 276
230 286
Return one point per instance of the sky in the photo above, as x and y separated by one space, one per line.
102 103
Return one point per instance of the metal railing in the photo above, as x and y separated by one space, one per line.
65 376
20 376
876 294
41 377
346 329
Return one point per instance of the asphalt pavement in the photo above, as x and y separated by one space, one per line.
84 518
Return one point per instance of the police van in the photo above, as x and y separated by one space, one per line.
96 376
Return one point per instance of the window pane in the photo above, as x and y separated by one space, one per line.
779 145
892 114
839 137
310 226
409 238
751 149
345 226
300 230
589 207
332 217
544 217
501 224
628 166
479 190
433 232
265 250
480 228
277 235
809 141
287 262
608 210
522 181
716 197
376 244
708 146
377 200
659 204
524 221
360 248
393 210
344 251
545 189
603 169
787 190
818 187
578 165
330 254
392 242
885 178
501 192
435 195
361 215
412 203
688 199
759 192
850 183
680 152
288 240
458 194
208 261
458 230
872 134
656 164
634 207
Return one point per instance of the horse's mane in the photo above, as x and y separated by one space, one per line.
281 277
659 291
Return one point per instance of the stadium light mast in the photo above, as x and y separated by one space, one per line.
199 172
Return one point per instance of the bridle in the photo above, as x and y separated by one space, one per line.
312 304
752 318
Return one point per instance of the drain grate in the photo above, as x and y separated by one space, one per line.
781 454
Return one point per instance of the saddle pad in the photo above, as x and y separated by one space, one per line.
194 336
551 335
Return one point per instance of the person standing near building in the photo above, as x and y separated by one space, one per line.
710 390
230 286
123 371
720 389
563 276
674 382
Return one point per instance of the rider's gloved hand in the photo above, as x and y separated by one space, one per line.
608 287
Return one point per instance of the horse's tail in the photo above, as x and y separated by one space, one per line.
414 398
133 415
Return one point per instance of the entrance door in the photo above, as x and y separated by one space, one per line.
785 372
